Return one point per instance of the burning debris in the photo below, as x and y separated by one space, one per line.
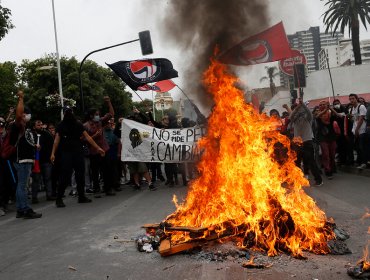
362 269
243 190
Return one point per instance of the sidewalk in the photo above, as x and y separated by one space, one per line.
354 170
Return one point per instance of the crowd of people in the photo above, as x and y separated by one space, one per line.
82 154
86 155
330 135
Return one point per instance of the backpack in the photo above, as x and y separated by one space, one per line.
7 149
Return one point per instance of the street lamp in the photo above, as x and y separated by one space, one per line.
146 48
58 63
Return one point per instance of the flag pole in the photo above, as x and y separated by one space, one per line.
138 95
184 93
153 108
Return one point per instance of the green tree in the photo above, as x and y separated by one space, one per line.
9 79
40 78
5 21
348 13
271 75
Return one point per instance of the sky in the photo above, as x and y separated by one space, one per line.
87 25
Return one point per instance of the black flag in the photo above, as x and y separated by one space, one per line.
137 73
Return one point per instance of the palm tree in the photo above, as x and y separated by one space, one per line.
343 13
270 76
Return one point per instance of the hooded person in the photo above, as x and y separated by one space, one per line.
71 155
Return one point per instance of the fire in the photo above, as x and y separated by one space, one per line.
365 261
243 185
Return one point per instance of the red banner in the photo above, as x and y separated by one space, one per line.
164 86
267 46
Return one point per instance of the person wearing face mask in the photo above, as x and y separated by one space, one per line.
94 128
46 141
342 142
23 139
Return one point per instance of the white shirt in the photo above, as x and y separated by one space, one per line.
356 113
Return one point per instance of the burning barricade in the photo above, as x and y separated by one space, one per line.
244 191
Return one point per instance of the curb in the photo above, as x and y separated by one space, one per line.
355 170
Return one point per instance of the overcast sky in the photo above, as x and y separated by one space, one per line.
86 25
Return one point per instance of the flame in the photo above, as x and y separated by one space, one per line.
366 215
365 261
243 185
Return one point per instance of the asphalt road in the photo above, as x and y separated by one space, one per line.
78 242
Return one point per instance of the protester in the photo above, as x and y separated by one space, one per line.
140 169
171 169
94 128
342 141
23 158
2 169
367 142
110 165
357 116
155 167
301 119
68 139
45 175
326 136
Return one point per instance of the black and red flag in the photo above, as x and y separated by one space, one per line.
267 46
139 73
164 86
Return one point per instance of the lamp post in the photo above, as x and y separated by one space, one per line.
146 48
58 62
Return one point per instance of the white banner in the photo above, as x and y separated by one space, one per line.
148 144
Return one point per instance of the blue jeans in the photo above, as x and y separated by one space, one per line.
23 174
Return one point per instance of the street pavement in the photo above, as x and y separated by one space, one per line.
93 241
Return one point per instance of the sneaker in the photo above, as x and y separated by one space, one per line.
160 177
19 214
137 187
329 175
30 214
84 199
89 190
152 187
59 203
362 166
319 183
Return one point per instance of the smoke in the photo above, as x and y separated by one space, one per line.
197 26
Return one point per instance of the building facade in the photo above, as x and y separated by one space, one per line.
163 101
310 42
342 54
